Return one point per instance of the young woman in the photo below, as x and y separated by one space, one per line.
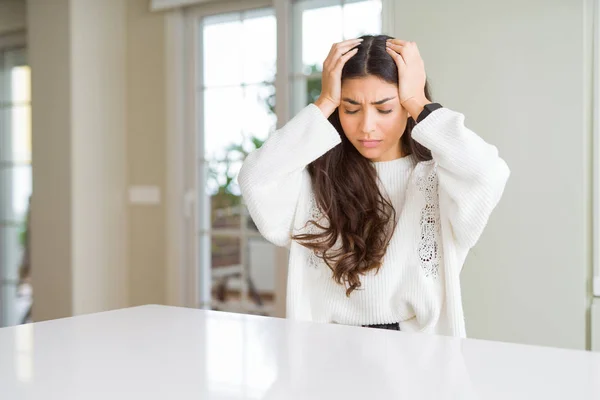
378 193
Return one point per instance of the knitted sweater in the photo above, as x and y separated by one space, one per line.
442 207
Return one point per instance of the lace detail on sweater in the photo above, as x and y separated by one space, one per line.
314 214
429 246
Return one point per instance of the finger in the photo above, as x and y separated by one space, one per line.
342 49
409 53
339 49
400 49
398 41
395 46
346 44
405 46
397 58
342 60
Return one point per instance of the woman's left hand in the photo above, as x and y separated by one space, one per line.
411 69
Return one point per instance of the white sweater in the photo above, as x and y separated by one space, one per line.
442 207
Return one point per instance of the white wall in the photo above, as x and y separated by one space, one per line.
12 16
99 124
99 178
595 325
49 52
76 50
146 151
520 72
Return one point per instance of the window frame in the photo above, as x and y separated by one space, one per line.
8 42
184 284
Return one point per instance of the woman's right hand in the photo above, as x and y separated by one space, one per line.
331 82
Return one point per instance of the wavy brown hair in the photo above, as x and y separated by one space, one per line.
361 220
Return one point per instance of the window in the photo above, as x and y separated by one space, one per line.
233 113
15 180
235 96
318 24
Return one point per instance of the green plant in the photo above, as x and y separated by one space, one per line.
219 169
23 232
313 84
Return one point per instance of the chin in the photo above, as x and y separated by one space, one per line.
371 154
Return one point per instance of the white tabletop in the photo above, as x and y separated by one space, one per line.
156 352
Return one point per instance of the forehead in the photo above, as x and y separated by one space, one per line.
369 88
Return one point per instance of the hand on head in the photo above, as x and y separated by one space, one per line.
331 83
411 72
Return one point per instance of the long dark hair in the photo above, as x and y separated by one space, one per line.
361 220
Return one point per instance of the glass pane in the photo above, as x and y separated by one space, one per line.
238 116
20 131
259 47
321 28
259 121
362 18
11 252
228 140
20 78
222 135
313 89
299 95
5 132
226 275
225 251
259 111
223 52
15 133
14 72
250 225
8 302
15 190
306 91
225 211
261 272
15 119
226 270
222 122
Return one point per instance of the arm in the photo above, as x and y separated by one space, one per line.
471 175
271 177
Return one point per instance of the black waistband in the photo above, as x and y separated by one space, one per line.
394 327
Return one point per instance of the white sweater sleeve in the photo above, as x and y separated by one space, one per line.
471 175
271 177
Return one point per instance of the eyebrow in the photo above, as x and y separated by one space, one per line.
378 102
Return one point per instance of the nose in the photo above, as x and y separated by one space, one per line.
368 122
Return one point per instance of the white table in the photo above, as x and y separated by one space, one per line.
157 352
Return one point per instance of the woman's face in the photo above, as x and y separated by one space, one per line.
372 117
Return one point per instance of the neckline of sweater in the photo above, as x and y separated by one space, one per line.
396 165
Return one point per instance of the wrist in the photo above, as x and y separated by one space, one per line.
415 105
326 106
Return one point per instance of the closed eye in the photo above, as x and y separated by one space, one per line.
355 111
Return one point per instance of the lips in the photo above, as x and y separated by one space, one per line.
370 143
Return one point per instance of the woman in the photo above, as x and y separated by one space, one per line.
378 193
